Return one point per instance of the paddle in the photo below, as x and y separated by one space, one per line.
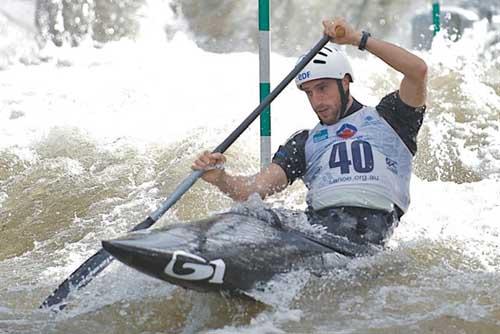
100 260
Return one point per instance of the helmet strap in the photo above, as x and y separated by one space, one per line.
343 99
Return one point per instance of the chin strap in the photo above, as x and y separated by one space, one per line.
343 99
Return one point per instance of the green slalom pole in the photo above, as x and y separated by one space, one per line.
264 82
436 13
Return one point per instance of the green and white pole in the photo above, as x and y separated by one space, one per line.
264 79
436 13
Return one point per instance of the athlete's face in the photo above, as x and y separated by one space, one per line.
323 94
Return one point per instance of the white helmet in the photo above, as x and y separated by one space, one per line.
330 62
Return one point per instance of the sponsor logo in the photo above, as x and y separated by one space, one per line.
391 165
346 131
369 120
192 267
320 136
304 75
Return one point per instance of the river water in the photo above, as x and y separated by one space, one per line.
93 137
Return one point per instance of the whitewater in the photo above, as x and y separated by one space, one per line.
93 139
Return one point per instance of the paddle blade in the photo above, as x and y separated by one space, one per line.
87 271
78 279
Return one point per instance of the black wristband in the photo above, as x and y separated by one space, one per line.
364 39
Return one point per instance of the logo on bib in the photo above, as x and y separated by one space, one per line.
320 136
391 165
346 131
370 120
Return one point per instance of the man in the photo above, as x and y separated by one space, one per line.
357 161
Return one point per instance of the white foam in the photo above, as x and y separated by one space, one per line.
143 92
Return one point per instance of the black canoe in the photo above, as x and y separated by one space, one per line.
229 251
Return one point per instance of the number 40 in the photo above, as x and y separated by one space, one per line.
361 162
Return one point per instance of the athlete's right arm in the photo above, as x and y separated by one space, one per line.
267 182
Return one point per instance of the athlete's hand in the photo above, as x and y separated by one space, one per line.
341 32
212 164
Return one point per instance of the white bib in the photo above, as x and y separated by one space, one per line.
359 161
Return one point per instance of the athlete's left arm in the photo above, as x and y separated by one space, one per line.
412 90
413 87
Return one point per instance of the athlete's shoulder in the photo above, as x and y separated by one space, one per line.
300 135
297 138
391 104
291 156
404 119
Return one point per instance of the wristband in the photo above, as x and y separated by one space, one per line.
364 39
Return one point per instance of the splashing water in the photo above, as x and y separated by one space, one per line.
93 139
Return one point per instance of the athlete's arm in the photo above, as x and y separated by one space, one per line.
412 89
269 181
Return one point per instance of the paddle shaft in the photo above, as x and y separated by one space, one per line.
193 177
100 260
